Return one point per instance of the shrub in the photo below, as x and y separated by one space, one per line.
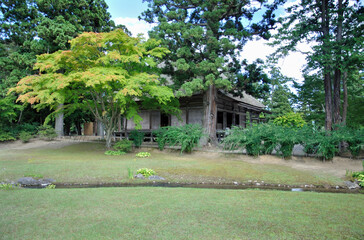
137 137
290 120
146 172
249 138
47 132
160 139
187 136
123 145
286 138
114 153
355 139
25 136
143 154
5 136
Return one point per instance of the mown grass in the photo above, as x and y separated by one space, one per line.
87 163
179 213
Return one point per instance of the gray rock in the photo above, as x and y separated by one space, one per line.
139 176
352 185
28 181
155 177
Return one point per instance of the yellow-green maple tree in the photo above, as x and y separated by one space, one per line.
104 72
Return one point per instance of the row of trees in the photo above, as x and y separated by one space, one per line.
204 39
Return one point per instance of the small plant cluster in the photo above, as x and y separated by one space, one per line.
114 153
146 172
359 176
187 136
47 132
143 154
7 186
264 138
137 137
123 146
51 186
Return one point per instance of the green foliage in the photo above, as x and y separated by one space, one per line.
137 137
186 136
130 173
146 172
160 139
143 154
114 153
204 38
47 132
25 136
106 73
262 138
290 120
123 145
7 186
5 136
50 186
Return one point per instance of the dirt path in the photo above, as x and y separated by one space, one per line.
36 143
337 167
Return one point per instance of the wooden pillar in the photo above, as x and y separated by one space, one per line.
224 120
233 120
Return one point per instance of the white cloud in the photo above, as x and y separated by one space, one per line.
134 25
291 65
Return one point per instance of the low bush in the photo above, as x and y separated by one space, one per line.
114 153
5 137
143 154
187 136
47 132
146 172
137 137
160 139
25 136
123 145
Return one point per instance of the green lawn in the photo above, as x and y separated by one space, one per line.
87 163
179 213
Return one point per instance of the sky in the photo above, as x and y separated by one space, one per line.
126 12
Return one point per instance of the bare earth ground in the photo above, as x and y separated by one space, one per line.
337 167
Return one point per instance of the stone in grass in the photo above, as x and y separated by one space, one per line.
139 176
155 177
29 181
352 185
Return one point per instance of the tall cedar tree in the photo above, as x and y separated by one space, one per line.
337 29
205 38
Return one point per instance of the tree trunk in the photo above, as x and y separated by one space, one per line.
337 78
326 69
210 114
108 137
345 96
59 121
